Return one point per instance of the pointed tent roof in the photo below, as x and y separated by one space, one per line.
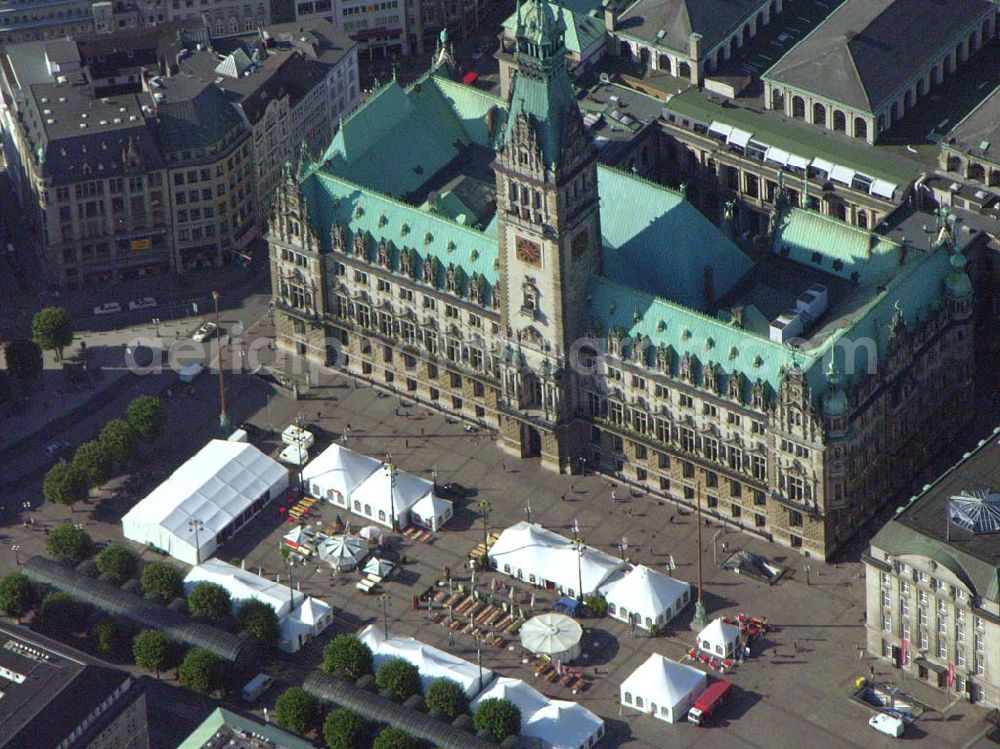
526 697
243 585
342 468
377 566
645 591
719 632
342 550
406 489
431 505
311 611
661 676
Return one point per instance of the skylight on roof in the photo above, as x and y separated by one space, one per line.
976 511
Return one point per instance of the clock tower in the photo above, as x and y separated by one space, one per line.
549 232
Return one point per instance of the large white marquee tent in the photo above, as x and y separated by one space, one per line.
433 664
556 724
300 617
663 688
646 597
365 486
539 556
336 472
221 487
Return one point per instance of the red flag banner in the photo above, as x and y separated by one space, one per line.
903 652
951 674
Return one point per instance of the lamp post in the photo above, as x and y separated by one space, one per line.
383 599
390 470
223 416
715 550
156 326
194 526
299 438
578 546
484 508
291 586
479 662
26 506
700 620
527 510
17 559
434 478
807 569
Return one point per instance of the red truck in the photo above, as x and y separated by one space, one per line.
711 700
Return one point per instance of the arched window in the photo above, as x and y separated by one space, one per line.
863 219
665 64
683 70
777 100
977 172
839 121
798 107
819 114
860 127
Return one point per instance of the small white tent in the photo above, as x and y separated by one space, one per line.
719 639
433 664
304 623
646 597
431 511
556 724
205 501
336 472
539 556
663 688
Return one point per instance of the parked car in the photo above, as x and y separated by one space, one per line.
451 491
54 448
147 302
887 724
107 308
205 332
256 687
191 372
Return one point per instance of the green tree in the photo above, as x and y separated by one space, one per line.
295 710
210 600
65 484
399 678
152 650
51 329
60 612
498 717
394 738
260 620
201 671
147 415
345 729
67 543
16 595
119 438
596 604
161 582
346 653
96 461
109 636
24 360
117 562
448 698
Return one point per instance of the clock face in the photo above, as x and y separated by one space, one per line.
580 243
528 252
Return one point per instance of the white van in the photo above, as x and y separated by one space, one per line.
191 371
296 435
256 687
887 724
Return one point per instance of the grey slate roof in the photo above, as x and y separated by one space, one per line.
59 693
979 132
194 115
868 49
922 529
678 19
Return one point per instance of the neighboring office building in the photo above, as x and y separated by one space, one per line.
689 39
57 698
290 83
932 581
474 309
224 729
972 149
866 66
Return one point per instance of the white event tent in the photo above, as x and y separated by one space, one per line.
431 511
300 617
556 724
336 472
206 500
554 635
539 556
719 639
433 664
646 597
381 495
663 688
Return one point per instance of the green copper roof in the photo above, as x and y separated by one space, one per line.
583 30
219 718
637 314
661 244
426 235
958 283
400 137
819 241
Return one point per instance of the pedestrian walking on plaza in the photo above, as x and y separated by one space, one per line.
614 497
421 431
563 497
451 639
319 415
503 467
871 671
671 519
